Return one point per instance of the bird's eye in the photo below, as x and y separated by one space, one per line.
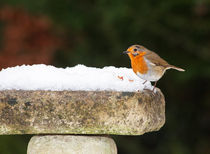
135 49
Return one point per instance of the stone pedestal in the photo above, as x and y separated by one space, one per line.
71 144
79 112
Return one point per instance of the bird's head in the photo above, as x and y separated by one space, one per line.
135 51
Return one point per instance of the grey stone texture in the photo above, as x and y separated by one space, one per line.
71 144
81 112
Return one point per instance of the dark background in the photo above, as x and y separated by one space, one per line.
95 32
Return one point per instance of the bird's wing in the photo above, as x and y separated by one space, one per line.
155 59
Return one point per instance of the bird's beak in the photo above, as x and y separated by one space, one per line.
126 52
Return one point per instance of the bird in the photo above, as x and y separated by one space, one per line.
148 65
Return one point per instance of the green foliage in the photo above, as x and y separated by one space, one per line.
14 144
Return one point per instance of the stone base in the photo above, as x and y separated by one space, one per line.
71 144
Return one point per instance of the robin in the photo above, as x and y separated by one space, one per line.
147 64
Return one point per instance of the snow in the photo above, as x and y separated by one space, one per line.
79 77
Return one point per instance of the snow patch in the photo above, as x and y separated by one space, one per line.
79 77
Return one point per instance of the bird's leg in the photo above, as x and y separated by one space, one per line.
154 86
144 86
144 81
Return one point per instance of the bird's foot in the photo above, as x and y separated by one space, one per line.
153 90
144 82
147 89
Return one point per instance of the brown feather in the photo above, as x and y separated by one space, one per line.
158 61
155 59
176 68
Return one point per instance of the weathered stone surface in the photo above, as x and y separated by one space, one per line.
69 144
81 112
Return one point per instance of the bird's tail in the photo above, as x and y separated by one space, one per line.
176 68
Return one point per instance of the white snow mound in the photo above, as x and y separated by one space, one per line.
79 77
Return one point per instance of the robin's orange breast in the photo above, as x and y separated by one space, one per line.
139 65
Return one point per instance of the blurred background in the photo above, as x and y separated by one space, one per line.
95 32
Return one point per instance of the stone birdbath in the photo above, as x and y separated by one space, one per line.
66 121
